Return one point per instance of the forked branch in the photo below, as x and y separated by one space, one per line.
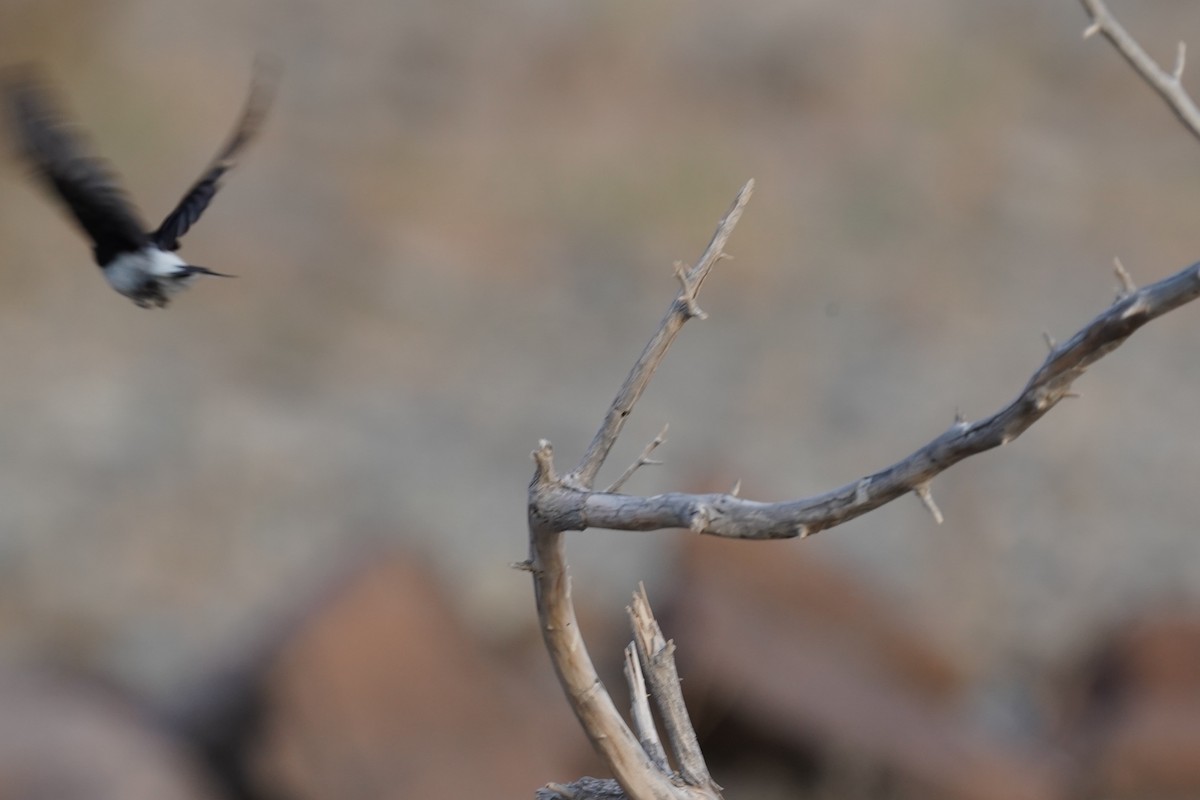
1169 85
564 503
566 507
682 309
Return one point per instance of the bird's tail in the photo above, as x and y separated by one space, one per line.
192 269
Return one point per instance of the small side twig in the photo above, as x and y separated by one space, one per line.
1168 85
642 460
682 309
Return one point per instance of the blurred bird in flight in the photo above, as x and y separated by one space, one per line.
140 264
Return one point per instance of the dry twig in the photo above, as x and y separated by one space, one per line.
1169 85
642 461
558 504
568 508
639 709
657 655
682 309
634 768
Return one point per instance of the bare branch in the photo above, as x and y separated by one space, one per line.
1168 85
682 309
568 508
642 460
639 709
658 659
558 504
591 702
634 768
583 789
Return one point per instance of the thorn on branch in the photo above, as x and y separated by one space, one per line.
737 488
1180 60
1128 287
523 566
926 497
1042 399
1051 343
1136 308
1091 30
688 292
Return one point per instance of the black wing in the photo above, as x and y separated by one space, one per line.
84 184
198 197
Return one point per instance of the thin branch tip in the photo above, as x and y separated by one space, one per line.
643 460
682 308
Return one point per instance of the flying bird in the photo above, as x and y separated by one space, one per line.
140 264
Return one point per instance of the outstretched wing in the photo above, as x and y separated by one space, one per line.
84 184
198 197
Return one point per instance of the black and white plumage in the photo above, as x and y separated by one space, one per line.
140 264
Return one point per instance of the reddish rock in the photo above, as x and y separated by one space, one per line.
1133 709
384 693
804 660
65 737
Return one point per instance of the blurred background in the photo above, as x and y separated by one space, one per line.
256 545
